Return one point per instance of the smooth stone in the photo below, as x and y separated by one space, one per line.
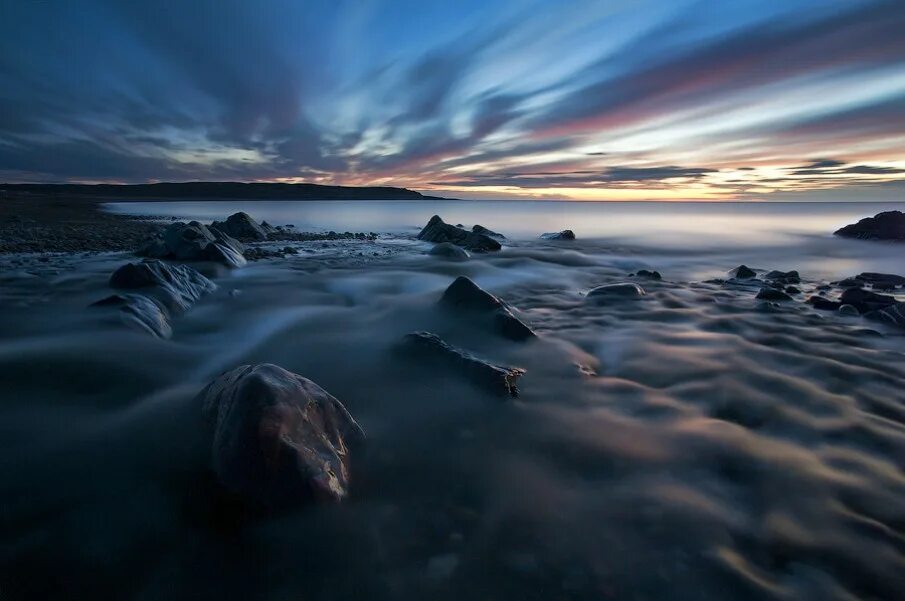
178 287
438 231
241 226
889 225
849 310
278 440
499 379
651 275
140 312
772 294
464 295
447 250
563 235
622 290
743 272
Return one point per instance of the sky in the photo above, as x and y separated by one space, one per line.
585 100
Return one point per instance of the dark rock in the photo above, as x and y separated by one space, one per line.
140 312
894 314
563 235
464 295
448 250
622 290
278 439
886 281
849 310
480 229
497 378
178 287
194 242
241 226
743 272
288 250
818 302
651 275
850 283
772 294
889 225
792 290
438 231
783 277
865 300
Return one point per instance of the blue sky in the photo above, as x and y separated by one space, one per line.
798 99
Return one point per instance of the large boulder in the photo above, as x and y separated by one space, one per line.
450 251
618 291
240 225
438 231
177 287
889 225
140 312
498 379
563 235
278 440
194 241
464 296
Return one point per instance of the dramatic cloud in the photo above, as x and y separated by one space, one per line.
638 99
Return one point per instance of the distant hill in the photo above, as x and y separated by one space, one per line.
217 191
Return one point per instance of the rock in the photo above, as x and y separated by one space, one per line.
563 235
194 242
622 290
241 226
480 229
651 275
464 295
221 253
818 302
865 300
743 272
278 440
894 314
140 312
772 294
177 287
498 379
447 250
438 231
792 290
850 283
884 281
783 277
849 310
889 225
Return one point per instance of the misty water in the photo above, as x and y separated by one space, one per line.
692 444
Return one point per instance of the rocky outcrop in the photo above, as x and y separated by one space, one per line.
449 251
140 312
194 242
242 227
618 291
772 294
464 296
278 440
176 287
889 225
782 277
498 379
480 229
438 231
563 235
743 272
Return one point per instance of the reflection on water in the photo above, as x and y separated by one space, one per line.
677 224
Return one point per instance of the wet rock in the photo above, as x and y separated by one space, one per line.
622 290
883 281
893 314
865 300
140 312
177 287
278 440
464 295
438 231
651 275
793 290
480 229
743 272
194 242
563 235
818 302
889 225
450 251
498 379
772 294
849 310
241 226
783 277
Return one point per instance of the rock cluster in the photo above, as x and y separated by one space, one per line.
889 225
194 241
437 230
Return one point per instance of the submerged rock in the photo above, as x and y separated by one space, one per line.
563 235
177 287
480 229
865 300
140 312
438 231
743 272
194 241
824 304
883 281
621 290
464 295
889 225
849 310
783 277
240 225
278 440
651 275
498 379
772 294
894 314
448 250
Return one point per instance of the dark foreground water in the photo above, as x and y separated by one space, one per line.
693 444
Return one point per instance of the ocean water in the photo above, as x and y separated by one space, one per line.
694 443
